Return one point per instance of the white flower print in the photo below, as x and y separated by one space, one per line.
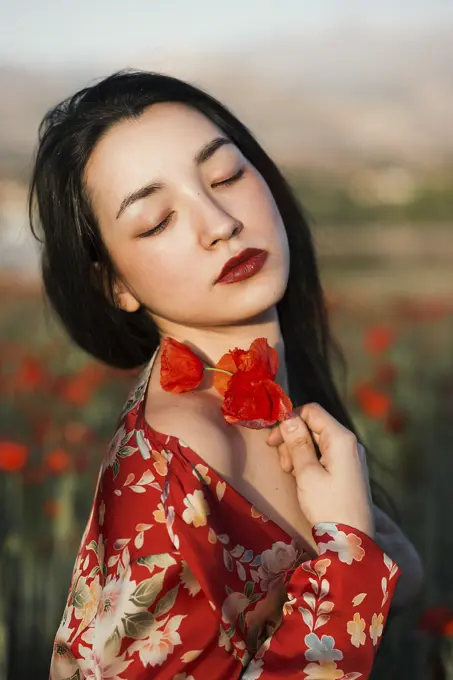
323 671
188 580
254 670
86 600
63 659
170 521
197 509
348 547
234 604
113 602
154 649
275 562
118 449
321 649
143 444
376 628
356 629
98 666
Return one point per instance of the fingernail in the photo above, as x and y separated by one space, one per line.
289 425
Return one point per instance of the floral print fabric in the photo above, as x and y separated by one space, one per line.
178 577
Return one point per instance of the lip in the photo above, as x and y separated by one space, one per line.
242 266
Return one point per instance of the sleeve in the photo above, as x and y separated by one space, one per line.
153 621
336 612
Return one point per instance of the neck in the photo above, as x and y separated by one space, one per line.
211 343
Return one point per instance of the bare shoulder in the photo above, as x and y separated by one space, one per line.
197 420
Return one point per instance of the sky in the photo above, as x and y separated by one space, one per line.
78 32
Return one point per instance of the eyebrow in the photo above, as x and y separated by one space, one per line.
149 189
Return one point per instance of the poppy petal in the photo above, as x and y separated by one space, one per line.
181 370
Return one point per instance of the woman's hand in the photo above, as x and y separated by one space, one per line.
334 488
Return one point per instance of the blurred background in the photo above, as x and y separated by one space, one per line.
355 102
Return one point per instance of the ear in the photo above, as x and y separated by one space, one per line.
124 299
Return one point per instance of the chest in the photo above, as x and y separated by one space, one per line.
260 479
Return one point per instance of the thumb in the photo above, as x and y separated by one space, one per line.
297 438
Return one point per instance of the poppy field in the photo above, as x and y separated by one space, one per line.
58 411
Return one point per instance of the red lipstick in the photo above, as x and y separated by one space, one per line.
242 266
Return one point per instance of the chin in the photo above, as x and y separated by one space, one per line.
253 300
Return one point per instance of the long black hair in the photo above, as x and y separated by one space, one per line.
71 240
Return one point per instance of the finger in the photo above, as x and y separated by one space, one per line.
299 444
275 438
285 459
319 420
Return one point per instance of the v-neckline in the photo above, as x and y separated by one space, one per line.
199 460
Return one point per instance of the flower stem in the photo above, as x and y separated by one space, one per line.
221 370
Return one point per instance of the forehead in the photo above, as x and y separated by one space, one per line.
162 140
164 128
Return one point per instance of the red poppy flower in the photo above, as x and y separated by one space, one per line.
373 403
254 401
261 359
57 461
379 339
52 508
435 619
396 422
181 370
448 628
245 378
30 374
13 456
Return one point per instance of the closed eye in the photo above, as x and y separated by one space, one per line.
157 229
229 180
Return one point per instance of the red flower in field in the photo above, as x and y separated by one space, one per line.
13 456
30 374
435 619
181 370
379 339
57 461
373 403
76 433
396 422
386 373
52 508
448 628
78 388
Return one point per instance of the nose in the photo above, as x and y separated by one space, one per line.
216 224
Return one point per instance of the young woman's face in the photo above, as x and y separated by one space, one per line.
175 200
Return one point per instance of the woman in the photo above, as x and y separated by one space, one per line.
212 550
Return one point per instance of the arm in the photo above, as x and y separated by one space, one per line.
336 613
153 620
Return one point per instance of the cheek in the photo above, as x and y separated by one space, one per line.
158 274
262 209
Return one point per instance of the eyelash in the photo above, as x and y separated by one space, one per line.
230 180
161 226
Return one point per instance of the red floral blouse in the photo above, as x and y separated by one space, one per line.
177 572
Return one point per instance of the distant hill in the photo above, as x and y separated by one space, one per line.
351 95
